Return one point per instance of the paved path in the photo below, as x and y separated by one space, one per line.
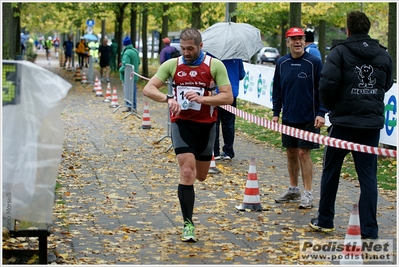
118 198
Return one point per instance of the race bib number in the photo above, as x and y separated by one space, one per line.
183 101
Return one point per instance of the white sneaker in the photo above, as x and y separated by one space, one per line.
225 156
287 196
306 201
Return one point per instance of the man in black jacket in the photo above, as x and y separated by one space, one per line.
352 86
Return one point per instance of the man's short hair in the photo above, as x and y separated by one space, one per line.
191 34
358 23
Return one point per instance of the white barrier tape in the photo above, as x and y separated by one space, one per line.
308 136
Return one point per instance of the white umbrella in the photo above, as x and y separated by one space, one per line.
228 40
90 37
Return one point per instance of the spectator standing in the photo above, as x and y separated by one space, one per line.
167 51
310 46
68 49
193 114
48 47
114 53
104 54
355 77
56 44
131 56
37 45
236 72
296 80
81 49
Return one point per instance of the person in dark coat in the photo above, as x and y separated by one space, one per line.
352 86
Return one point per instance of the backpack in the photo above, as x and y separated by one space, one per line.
80 47
174 54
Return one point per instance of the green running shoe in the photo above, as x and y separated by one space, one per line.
188 232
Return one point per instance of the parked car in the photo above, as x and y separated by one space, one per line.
268 54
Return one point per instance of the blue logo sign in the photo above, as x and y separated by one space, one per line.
246 82
390 121
90 22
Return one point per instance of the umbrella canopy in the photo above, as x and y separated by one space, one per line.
229 40
90 37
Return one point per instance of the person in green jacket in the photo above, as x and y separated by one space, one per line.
114 52
130 55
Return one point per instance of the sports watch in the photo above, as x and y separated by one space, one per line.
169 96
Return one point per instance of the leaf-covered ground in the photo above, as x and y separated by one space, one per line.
116 201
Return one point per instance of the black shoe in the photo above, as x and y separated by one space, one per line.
314 225
127 110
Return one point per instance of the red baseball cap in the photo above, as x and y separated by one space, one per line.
295 31
166 40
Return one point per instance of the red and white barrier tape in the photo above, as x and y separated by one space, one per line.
145 78
142 77
308 136
305 135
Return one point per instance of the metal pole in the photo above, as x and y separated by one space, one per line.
91 71
169 128
227 12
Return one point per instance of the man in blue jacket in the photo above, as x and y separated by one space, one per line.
236 72
295 92
310 46
353 83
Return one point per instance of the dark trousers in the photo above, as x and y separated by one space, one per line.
227 119
366 169
81 59
113 64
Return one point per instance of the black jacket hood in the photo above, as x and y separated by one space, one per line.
362 46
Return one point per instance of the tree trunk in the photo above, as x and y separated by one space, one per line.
8 49
119 31
283 31
165 26
133 23
145 47
103 31
196 15
295 15
232 8
322 40
392 31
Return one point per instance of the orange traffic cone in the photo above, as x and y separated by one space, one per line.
114 100
146 123
96 84
99 90
108 96
84 78
212 168
77 75
251 194
352 253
